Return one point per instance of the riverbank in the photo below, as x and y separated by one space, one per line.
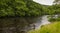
51 28
47 27
41 21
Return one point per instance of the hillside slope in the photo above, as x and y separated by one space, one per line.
19 8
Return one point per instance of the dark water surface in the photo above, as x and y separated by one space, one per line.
22 24
17 25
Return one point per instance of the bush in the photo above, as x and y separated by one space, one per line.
54 19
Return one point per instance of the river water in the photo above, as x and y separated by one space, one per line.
12 25
43 21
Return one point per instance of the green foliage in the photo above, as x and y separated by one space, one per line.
26 8
54 19
54 9
19 8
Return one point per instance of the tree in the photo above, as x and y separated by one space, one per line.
19 8
57 1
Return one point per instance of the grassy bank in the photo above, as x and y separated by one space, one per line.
52 28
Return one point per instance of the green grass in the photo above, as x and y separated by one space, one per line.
51 28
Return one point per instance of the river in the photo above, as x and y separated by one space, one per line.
40 21
12 25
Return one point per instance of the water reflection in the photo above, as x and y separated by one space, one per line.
22 24
17 25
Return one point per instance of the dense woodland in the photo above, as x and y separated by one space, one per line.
19 8
26 8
